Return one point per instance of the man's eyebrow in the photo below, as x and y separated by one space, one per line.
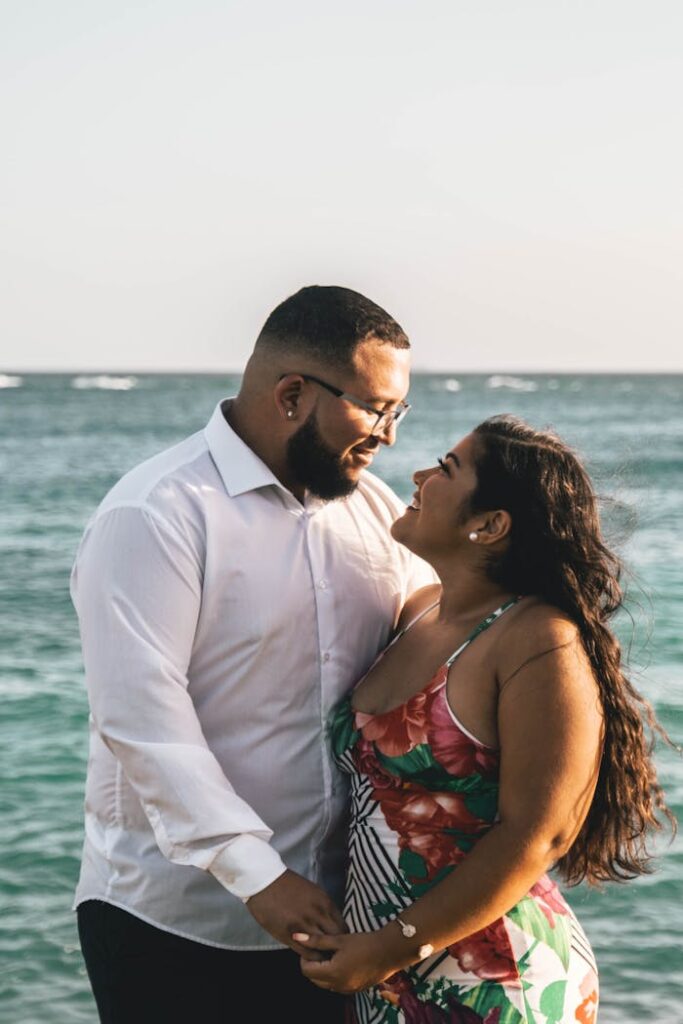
452 455
377 400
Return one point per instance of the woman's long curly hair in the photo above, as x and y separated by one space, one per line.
557 552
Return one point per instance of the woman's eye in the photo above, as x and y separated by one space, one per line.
443 466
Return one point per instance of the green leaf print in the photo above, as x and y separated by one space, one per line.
531 919
483 803
342 733
487 997
524 962
418 889
420 767
398 888
412 865
387 909
419 759
552 1001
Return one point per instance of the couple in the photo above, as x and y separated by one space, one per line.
264 624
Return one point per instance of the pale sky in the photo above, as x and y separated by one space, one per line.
505 178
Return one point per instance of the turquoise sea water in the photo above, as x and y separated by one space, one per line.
65 439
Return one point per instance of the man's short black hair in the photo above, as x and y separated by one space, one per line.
328 322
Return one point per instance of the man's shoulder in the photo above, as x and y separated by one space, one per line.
154 482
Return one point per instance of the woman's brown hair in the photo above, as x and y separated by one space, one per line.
557 552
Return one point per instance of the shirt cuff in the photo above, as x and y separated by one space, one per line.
247 865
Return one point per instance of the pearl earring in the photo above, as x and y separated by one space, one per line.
474 536
289 414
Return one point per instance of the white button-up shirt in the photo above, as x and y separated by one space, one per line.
221 621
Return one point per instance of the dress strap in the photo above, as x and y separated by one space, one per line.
412 622
397 637
484 625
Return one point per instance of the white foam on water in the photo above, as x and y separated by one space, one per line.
105 382
7 380
553 384
450 384
500 380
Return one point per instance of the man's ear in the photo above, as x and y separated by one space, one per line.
496 527
287 396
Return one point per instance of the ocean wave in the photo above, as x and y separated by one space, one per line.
7 380
105 382
499 380
450 384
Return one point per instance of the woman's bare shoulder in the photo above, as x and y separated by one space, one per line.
538 630
537 618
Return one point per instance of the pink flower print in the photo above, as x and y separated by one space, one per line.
397 731
487 953
549 899
451 747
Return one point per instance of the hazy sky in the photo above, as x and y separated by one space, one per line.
505 178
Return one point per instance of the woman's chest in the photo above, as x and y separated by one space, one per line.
417 663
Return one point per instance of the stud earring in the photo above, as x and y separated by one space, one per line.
289 414
474 536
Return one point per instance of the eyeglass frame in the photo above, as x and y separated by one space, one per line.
392 416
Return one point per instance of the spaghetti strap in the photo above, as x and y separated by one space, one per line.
413 622
398 637
483 625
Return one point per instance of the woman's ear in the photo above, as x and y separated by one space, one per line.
496 527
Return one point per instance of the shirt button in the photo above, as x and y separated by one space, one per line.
326 656
323 584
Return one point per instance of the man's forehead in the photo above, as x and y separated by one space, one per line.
382 369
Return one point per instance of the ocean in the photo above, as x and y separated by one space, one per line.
65 439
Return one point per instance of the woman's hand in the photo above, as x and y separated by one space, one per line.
355 961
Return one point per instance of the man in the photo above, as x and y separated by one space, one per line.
229 591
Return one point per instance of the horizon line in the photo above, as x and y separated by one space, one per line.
416 371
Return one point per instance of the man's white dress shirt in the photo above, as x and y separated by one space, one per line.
221 621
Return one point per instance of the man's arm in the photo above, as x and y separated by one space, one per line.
137 589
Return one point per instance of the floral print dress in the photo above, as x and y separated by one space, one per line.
424 791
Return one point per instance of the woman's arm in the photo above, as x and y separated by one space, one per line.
550 727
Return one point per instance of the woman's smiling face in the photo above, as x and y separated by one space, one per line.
436 519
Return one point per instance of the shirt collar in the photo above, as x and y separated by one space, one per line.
240 468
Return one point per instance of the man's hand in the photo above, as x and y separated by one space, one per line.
293 904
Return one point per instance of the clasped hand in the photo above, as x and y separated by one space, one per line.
353 962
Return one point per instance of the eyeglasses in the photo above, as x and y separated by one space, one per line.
383 418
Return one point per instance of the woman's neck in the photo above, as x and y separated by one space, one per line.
467 593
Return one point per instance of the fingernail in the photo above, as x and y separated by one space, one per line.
300 936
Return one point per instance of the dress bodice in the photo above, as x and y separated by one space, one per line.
424 790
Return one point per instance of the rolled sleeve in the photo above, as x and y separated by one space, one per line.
137 588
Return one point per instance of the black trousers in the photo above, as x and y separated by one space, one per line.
142 975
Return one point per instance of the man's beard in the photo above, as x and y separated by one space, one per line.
315 466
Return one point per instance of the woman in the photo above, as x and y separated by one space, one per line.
496 737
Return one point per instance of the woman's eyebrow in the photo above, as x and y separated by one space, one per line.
452 455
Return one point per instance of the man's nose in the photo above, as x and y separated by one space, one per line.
387 435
